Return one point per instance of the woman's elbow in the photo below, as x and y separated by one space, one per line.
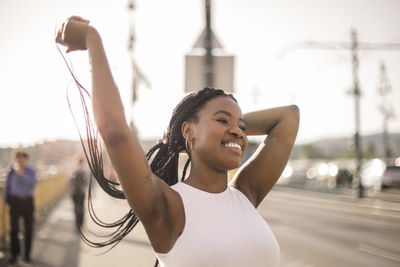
115 138
294 114
294 110
114 134
292 122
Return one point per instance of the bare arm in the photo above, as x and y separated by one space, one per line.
256 178
149 197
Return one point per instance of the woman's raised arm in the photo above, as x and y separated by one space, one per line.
256 178
147 195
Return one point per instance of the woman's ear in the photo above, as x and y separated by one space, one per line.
187 130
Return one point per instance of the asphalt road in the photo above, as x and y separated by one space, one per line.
320 229
312 228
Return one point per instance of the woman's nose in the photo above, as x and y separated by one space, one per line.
236 131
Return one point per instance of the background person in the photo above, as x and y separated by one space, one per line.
77 186
20 185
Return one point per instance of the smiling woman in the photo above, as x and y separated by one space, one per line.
202 212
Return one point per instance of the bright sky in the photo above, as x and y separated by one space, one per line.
34 79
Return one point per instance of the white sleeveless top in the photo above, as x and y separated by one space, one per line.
221 230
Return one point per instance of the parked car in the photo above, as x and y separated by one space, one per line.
344 178
391 177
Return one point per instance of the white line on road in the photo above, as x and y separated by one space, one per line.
342 208
299 263
378 252
335 205
323 198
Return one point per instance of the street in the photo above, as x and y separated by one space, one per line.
312 228
320 229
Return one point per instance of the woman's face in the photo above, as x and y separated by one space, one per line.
219 137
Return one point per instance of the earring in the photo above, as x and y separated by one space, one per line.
188 146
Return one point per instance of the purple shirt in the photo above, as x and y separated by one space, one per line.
22 185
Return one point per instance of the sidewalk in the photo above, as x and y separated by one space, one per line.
57 244
133 250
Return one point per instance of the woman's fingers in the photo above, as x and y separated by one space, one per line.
59 34
72 33
80 19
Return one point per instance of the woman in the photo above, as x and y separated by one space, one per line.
201 221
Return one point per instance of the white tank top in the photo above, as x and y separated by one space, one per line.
221 230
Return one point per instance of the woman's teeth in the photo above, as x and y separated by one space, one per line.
235 145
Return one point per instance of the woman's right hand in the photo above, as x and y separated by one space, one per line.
73 33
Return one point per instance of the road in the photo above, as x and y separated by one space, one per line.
320 229
312 228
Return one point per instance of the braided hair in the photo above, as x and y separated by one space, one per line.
165 162
163 158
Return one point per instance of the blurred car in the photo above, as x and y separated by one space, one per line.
294 173
298 177
391 177
371 173
322 174
344 177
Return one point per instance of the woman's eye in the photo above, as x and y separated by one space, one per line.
224 121
242 128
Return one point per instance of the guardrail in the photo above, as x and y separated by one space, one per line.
47 191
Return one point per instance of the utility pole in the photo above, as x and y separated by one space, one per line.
208 59
354 46
208 64
357 95
131 48
138 76
384 89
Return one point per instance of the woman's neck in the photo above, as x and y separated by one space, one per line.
207 179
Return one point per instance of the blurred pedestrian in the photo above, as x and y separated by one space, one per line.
201 220
20 184
77 186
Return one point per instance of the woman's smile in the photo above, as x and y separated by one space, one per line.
233 146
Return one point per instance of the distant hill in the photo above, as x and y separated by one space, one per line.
47 157
63 152
59 153
48 152
372 145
